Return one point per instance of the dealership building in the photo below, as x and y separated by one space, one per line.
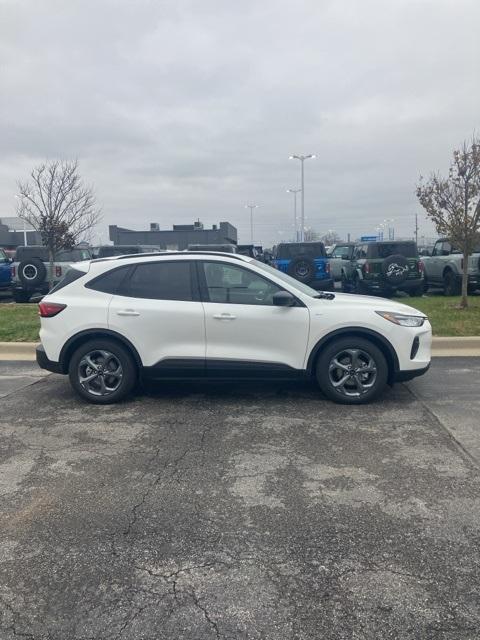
176 239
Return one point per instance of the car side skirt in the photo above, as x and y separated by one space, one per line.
221 369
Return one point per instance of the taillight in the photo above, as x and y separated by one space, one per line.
50 309
327 267
421 266
58 272
366 268
13 271
461 265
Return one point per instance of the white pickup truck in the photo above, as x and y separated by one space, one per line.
444 268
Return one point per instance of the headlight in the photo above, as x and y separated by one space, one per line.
402 319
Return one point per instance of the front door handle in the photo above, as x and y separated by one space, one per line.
127 312
224 316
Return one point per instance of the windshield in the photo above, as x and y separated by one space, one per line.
287 279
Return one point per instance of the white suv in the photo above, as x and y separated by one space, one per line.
216 315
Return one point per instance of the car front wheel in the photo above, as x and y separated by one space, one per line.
102 371
352 371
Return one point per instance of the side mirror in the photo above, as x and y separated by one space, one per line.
283 299
445 252
345 256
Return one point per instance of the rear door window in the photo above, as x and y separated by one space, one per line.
161 281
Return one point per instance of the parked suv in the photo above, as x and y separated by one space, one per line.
444 268
307 262
5 271
383 268
337 253
31 270
217 315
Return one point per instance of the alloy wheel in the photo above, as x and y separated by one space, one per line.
352 372
100 372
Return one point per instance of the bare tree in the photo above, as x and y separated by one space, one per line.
310 235
453 203
58 205
331 237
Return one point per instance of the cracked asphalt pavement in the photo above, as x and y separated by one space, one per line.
240 511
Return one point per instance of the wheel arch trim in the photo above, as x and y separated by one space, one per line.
83 336
382 342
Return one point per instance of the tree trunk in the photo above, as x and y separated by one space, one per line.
51 257
464 301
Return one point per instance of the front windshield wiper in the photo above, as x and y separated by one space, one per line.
324 295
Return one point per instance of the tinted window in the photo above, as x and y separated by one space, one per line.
231 284
109 282
309 249
361 251
74 255
161 281
385 249
68 278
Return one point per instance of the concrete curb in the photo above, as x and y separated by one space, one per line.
469 346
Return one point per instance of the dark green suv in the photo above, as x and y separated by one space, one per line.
383 268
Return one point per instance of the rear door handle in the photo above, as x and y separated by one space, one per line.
127 312
224 316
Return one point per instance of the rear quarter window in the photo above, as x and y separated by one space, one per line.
68 278
109 282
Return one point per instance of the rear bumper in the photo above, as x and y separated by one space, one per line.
44 363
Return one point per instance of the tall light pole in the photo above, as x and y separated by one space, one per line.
302 220
251 207
294 191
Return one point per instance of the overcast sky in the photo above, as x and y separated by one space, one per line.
183 109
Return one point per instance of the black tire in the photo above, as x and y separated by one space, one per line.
359 287
417 291
126 378
32 272
302 268
345 284
20 296
347 393
395 270
451 285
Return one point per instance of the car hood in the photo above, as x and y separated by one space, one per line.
352 301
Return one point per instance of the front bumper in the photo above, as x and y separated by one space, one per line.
404 376
44 363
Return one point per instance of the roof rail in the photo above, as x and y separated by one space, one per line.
237 256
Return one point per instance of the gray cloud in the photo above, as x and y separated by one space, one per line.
181 109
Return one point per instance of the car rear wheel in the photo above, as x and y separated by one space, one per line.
352 370
451 286
102 371
21 296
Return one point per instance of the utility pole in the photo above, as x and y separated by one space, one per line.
416 229
302 220
251 207
295 224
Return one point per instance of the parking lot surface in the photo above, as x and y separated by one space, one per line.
240 511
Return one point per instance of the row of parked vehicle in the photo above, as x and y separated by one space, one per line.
380 268
385 267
